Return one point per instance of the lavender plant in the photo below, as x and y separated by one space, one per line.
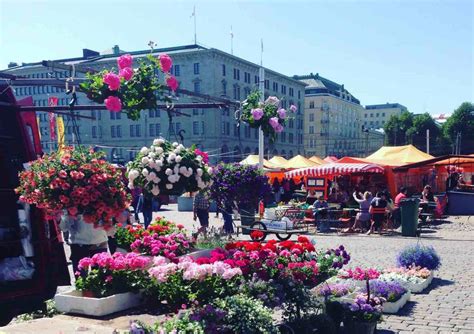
418 255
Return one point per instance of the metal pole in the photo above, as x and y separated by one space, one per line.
195 35
428 141
261 87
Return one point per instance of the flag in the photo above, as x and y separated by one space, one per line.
52 102
60 124
39 129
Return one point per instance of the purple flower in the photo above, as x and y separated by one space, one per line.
293 108
257 113
281 113
279 128
273 122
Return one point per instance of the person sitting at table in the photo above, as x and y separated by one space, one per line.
378 208
311 198
461 182
342 198
427 194
363 217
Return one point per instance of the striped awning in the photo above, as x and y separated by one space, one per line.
336 168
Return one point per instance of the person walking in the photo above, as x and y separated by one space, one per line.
83 238
201 211
145 206
228 222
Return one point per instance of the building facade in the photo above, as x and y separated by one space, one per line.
201 70
376 115
332 124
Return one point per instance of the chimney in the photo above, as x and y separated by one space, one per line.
116 50
12 64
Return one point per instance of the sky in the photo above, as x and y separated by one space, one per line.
414 52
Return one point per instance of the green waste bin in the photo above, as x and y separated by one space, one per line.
409 216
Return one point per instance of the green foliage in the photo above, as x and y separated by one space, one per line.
461 121
180 324
103 282
49 312
396 128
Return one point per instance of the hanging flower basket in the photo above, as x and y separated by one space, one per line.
169 169
268 115
77 181
132 90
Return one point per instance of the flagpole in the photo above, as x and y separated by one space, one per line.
231 41
261 88
195 35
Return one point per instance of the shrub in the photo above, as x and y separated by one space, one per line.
417 255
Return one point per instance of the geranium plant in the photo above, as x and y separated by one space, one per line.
131 90
171 246
111 274
168 168
418 255
76 181
268 115
242 184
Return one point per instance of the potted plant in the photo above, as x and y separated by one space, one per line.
395 295
419 256
242 185
361 315
415 279
268 115
169 168
77 182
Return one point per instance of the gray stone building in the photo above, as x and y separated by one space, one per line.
202 70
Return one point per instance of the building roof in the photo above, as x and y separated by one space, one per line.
316 84
385 106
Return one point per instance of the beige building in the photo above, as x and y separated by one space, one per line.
332 124
376 115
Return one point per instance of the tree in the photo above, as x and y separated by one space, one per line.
460 126
396 128
416 134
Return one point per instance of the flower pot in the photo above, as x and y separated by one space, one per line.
74 302
185 204
87 294
359 327
394 307
200 253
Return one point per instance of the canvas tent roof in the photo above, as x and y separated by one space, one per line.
336 168
397 155
317 160
299 161
252 159
330 158
278 161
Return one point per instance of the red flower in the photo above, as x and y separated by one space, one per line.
304 239
256 235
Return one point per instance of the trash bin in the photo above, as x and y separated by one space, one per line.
409 216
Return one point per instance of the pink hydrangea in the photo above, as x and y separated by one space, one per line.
293 108
112 79
172 83
279 128
126 73
281 113
166 62
124 61
257 113
273 122
113 103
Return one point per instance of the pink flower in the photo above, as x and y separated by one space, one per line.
273 100
257 113
279 128
124 61
293 108
126 73
63 174
112 79
172 83
72 211
113 103
273 122
281 113
166 62
108 279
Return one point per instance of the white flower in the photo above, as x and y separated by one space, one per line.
151 155
178 158
145 161
157 168
199 172
152 175
133 174
151 164
190 171
159 163
176 169
157 142
172 156
199 158
144 150
168 171
183 170
130 185
181 147
145 172
169 186
209 170
159 150
175 144
171 179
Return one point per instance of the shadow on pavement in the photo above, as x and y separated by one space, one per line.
436 283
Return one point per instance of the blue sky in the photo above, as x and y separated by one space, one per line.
417 53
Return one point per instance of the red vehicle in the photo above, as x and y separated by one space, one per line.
32 259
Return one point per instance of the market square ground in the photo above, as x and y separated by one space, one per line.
446 307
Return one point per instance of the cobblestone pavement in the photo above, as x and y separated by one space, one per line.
446 307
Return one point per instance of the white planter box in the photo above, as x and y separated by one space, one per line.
417 288
73 302
394 307
200 253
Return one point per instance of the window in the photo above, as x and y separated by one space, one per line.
311 105
377 115
275 87
119 131
283 89
383 122
291 123
223 128
299 94
196 125
257 79
202 128
197 86
383 114
177 71
236 130
196 68
236 92
115 115
283 137
135 130
291 91
236 74
247 77
371 115
151 130
290 138
223 70
365 115
157 129
247 131
113 133
311 117
224 88
195 112
267 84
